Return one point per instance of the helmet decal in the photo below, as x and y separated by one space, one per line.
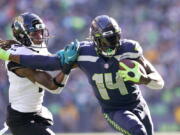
19 19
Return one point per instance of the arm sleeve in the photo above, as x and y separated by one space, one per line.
48 63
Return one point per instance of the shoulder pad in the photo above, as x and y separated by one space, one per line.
86 48
132 46
130 49
85 43
19 49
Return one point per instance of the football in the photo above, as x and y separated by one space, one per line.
131 64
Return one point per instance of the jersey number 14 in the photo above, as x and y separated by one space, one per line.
104 83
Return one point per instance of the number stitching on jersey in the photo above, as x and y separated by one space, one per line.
104 82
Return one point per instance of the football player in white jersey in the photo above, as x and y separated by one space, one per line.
26 115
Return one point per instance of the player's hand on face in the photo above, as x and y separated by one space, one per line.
68 56
70 53
131 74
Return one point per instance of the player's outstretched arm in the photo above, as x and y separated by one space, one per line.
66 56
33 61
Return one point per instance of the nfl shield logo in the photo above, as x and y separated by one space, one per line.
106 66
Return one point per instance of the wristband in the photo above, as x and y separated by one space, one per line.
58 84
4 55
156 81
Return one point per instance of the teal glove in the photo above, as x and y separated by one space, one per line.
61 57
4 55
131 74
70 53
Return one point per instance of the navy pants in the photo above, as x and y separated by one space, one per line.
136 121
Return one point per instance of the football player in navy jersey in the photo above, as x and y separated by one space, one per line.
121 100
117 91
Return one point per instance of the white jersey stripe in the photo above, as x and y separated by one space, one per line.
127 55
88 58
118 57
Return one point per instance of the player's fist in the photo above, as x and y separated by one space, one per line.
132 71
70 53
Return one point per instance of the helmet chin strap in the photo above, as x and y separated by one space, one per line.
105 54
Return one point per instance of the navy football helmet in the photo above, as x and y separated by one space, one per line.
106 33
29 29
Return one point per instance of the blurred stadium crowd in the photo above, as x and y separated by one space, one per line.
154 23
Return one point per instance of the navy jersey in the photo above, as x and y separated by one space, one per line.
109 88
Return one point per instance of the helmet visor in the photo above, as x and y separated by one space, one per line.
108 44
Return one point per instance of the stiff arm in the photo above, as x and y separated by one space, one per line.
49 63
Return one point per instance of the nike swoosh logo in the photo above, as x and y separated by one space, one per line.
71 57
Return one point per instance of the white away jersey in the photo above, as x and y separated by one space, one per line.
25 96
